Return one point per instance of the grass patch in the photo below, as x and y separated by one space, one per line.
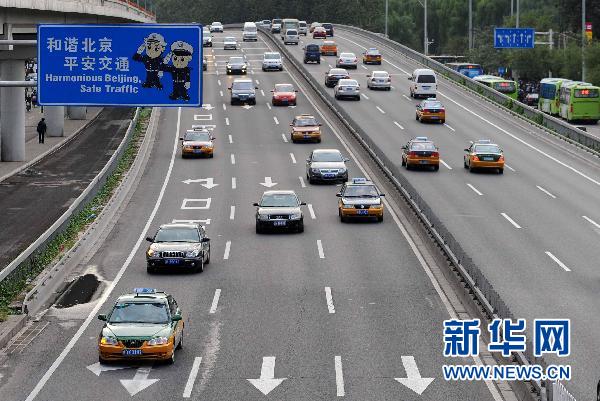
13 286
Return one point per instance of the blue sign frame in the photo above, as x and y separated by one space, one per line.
120 65
514 38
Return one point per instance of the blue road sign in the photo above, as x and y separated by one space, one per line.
514 38
120 65
501 70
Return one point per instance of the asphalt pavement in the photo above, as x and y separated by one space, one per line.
338 311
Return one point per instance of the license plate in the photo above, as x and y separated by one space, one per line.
197 150
426 87
306 136
424 161
434 117
362 212
328 175
132 352
171 261
279 223
488 159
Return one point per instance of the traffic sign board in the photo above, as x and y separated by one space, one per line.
514 38
120 65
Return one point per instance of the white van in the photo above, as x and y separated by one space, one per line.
291 37
249 32
424 83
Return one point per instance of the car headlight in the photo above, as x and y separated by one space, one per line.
263 217
314 170
346 205
295 216
192 254
151 252
210 145
158 341
109 340
342 170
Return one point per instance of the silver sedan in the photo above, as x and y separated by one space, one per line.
347 88
230 43
379 80
347 60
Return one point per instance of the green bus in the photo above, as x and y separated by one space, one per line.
579 101
549 95
505 86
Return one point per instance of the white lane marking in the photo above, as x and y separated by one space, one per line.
311 211
230 139
262 92
591 221
257 83
284 138
546 192
365 96
189 386
216 72
226 121
320 248
380 110
293 158
276 120
509 167
475 189
364 67
329 299
232 213
393 87
339 377
202 117
397 124
269 106
329 65
302 184
215 301
233 183
445 164
449 127
219 82
224 107
227 250
406 97
510 220
221 93
558 262
104 297
232 158
186 201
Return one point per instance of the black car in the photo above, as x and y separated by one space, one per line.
183 246
237 65
334 75
312 54
328 28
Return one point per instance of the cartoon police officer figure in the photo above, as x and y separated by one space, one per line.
154 45
180 55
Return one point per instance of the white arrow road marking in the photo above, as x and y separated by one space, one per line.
413 379
284 138
293 158
246 106
267 382
302 184
233 183
227 250
339 377
268 183
215 301
189 386
208 182
202 222
139 382
98 368
329 299
207 107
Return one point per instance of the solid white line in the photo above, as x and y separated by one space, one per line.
189 386
311 211
224 107
509 167
262 92
284 138
329 299
320 248
227 250
104 297
302 184
365 96
558 262
511 221
232 213
449 127
230 139
269 106
232 158
474 189
380 110
339 377
591 221
445 164
406 97
215 301
398 125
293 158
276 120
226 121
546 192
233 183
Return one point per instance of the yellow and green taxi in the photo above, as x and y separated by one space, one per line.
305 128
420 152
372 56
360 198
483 154
197 142
144 325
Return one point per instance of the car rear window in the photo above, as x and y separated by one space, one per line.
305 122
284 88
426 79
579 93
348 82
359 191
487 149
327 26
422 146
433 105
380 74
347 55
272 56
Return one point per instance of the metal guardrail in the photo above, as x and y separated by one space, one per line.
474 279
552 124
27 257
560 393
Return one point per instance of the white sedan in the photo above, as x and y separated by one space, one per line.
346 88
347 60
230 43
216 27
379 80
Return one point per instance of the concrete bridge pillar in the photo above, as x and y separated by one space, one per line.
77 112
12 109
55 120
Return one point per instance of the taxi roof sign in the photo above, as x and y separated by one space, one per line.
421 138
144 290
359 180
484 141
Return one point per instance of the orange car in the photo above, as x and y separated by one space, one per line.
305 128
431 110
372 56
484 154
329 48
420 152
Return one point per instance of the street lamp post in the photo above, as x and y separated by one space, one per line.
470 24
386 18
518 13
583 39
425 37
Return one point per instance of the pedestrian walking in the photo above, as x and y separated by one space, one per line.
27 100
41 129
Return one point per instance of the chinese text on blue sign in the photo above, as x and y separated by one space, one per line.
514 38
120 65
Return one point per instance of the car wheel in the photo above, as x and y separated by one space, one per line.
470 168
200 267
211 156
403 162
408 166
258 228
300 228
319 62
465 163
171 360
417 117
411 95
253 102
208 258
379 219
358 98
500 171
102 360
436 168
442 121
150 269
180 344
389 88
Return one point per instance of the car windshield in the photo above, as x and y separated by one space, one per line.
305 122
360 191
284 88
302 24
291 32
279 200
326 25
177 234
229 39
242 85
250 29
422 146
433 105
140 312
378 74
327 157
272 56
236 60
197 136
487 149
426 79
